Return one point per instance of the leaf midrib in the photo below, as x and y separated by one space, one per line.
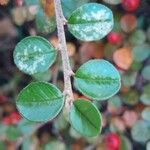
84 116
89 22
41 100
108 79
32 55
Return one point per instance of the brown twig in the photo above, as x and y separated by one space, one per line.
64 54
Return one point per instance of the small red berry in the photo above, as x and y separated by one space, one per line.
18 2
130 5
114 38
15 117
12 119
6 120
112 141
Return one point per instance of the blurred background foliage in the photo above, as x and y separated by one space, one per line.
126 116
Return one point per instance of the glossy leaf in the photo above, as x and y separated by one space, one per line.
129 79
97 79
40 101
34 54
31 2
85 118
136 66
115 101
91 22
61 122
148 146
125 143
44 23
131 98
55 145
27 144
12 133
146 114
112 2
2 145
138 37
146 73
141 52
25 126
2 129
145 97
141 131
74 134
44 76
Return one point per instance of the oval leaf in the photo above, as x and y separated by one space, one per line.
141 131
145 97
141 52
146 72
91 22
34 54
12 133
146 113
55 145
25 126
97 79
85 118
40 101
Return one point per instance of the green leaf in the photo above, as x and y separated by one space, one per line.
44 23
145 97
141 131
40 101
44 76
27 144
131 98
146 114
31 2
112 2
2 129
148 146
138 37
69 6
61 122
125 143
74 134
115 101
141 52
91 22
12 133
25 126
85 118
55 145
136 66
2 146
34 54
129 79
97 79
146 73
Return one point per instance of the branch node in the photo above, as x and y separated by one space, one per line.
65 21
71 73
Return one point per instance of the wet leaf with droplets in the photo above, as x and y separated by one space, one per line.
34 54
91 22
